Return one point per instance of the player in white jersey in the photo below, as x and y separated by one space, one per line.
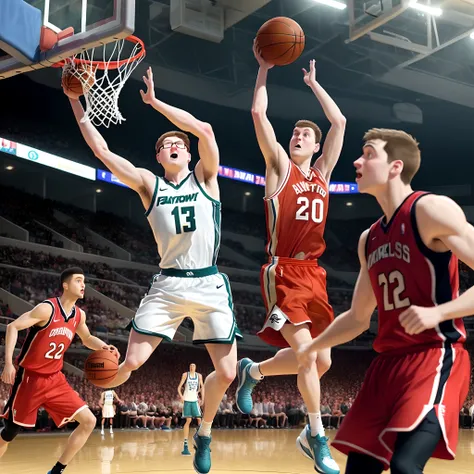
108 410
192 382
183 210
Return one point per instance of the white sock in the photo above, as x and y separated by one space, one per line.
316 424
255 371
205 428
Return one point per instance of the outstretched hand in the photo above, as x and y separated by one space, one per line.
310 77
69 93
258 56
149 96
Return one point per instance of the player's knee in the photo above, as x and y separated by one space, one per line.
403 465
9 432
226 374
88 421
133 362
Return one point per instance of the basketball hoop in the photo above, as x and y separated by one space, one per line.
111 68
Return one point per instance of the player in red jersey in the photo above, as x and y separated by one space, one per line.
39 381
293 284
408 407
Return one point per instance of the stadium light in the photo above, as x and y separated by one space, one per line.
435 11
333 3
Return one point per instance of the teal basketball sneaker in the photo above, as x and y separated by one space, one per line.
316 448
246 384
185 451
202 454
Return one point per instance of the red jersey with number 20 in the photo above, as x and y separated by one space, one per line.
296 215
405 272
44 347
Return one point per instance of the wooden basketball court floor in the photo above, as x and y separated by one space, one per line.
236 451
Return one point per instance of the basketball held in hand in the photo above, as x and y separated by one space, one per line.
280 41
101 367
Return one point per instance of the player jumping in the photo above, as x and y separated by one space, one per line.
293 284
184 212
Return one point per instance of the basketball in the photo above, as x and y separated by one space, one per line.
101 367
71 81
280 41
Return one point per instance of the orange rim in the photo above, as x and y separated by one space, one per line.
102 65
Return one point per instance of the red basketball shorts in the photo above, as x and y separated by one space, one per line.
398 392
294 291
52 392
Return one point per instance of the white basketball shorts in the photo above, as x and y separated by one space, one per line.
203 295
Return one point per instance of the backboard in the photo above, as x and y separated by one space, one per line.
95 22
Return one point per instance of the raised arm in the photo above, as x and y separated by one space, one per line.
180 386
275 156
353 322
140 180
443 224
334 139
39 315
207 145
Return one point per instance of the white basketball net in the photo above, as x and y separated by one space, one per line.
102 92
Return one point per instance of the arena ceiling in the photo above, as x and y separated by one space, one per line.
410 57
370 56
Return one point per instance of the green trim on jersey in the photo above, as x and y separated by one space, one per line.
191 273
203 190
149 333
216 215
153 199
176 186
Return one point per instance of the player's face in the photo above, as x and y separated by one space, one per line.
192 368
373 170
173 154
76 286
303 144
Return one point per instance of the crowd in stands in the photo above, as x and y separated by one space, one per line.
150 400
39 280
155 387
33 214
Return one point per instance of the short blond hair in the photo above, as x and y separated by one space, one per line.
401 146
307 123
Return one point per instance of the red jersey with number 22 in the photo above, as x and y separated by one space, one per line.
296 215
405 272
44 347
